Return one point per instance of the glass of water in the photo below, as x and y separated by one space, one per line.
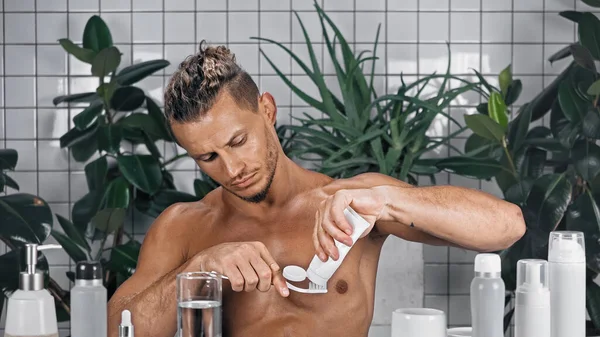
199 298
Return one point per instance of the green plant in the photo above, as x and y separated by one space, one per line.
550 172
363 131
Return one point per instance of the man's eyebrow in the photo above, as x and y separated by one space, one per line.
229 142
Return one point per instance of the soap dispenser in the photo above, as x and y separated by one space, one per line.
30 309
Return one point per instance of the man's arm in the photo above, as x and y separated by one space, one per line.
150 293
439 215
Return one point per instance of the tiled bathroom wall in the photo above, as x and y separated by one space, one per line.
486 35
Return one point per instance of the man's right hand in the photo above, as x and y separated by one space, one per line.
248 265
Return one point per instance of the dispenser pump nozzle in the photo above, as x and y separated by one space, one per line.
32 279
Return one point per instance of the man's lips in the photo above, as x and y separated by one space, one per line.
244 181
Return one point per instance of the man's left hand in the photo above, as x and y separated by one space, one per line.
331 223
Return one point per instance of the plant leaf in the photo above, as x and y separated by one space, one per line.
542 103
96 35
86 97
25 218
108 220
594 89
109 138
497 110
589 34
505 79
82 54
592 301
583 57
85 118
85 147
85 208
73 233
547 202
133 125
518 193
591 124
159 120
561 54
106 61
518 131
471 167
8 159
123 258
127 98
137 72
574 16
69 246
484 126
561 128
142 171
571 104
95 173
592 3
165 198
586 157
10 182
117 194
513 92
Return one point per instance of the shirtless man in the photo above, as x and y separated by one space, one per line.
269 213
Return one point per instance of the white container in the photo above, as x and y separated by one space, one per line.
418 322
465 331
30 310
566 267
320 272
88 301
532 308
487 297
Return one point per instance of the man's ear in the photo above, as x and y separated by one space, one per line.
269 107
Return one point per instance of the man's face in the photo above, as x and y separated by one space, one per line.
234 146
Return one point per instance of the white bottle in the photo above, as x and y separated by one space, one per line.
566 267
30 310
320 272
532 308
487 297
88 301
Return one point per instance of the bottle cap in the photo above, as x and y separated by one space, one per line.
566 246
88 270
532 275
487 263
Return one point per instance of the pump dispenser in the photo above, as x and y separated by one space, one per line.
30 309
532 309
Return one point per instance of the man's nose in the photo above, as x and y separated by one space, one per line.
233 165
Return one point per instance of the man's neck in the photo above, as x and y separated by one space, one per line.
288 182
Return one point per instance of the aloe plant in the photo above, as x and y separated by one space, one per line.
363 131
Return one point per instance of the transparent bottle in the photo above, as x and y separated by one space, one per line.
487 297
532 309
566 266
88 301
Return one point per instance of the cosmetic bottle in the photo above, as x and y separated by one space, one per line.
566 267
487 297
30 310
88 301
532 307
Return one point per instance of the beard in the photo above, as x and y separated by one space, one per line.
272 158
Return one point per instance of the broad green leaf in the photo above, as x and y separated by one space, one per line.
202 187
137 72
133 125
159 119
106 61
142 171
106 90
592 301
583 215
583 57
108 220
165 198
85 148
151 146
86 97
482 108
532 163
123 258
591 124
589 33
109 138
485 83
561 128
592 3
10 182
573 106
548 201
74 233
505 79
594 89
497 110
477 146
425 166
25 218
75 136
518 131
542 103
117 194
8 159
513 92
85 118
586 157
518 193
476 168
95 173
127 98
574 16
96 35
484 126
69 246
85 208
561 54
82 54
548 144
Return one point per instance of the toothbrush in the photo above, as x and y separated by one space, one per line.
320 272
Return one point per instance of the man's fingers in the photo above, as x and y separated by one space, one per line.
339 202
327 244
277 278
235 278
264 274
320 252
250 277
280 284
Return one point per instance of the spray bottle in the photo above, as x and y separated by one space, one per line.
532 309
487 297
30 309
566 266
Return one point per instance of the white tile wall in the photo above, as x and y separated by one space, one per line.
484 34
